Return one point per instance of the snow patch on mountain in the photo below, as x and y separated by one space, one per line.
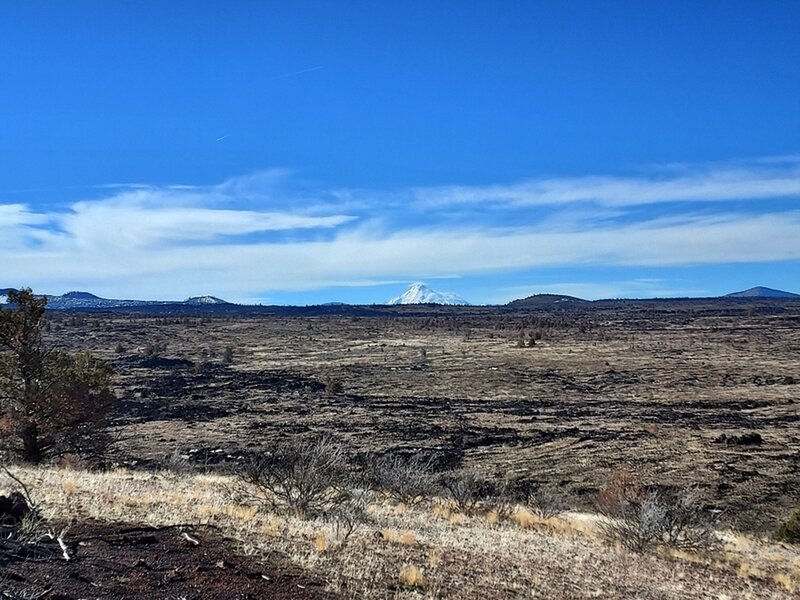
204 300
419 293
85 300
79 300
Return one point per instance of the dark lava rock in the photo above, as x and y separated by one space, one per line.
13 509
746 439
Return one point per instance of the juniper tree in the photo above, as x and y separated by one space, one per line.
51 401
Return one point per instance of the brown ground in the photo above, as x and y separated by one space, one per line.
112 561
668 392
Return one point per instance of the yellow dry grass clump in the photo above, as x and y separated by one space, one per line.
321 542
406 538
411 575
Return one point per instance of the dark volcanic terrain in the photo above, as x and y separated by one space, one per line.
693 392
117 561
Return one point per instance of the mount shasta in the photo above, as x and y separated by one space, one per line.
419 293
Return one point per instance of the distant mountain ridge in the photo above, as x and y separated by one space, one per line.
762 292
419 293
85 300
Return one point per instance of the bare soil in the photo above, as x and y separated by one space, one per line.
112 561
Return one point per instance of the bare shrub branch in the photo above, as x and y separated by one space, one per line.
347 516
471 493
545 503
643 518
303 477
23 532
407 479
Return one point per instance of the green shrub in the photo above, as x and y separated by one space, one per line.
789 531
52 402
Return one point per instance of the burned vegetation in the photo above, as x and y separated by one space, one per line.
669 423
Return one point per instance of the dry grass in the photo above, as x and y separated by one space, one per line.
412 553
411 576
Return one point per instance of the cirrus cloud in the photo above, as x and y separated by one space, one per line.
260 233
758 180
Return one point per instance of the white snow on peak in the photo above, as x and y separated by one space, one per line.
205 300
3 299
419 293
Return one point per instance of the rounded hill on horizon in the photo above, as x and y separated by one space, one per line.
762 292
545 300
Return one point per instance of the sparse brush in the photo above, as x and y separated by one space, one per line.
642 518
24 594
411 576
176 463
346 516
153 350
545 503
23 531
622 489
501 500
470 560
470 493
407 479
303 477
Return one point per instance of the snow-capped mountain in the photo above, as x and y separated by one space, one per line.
419 293
204 300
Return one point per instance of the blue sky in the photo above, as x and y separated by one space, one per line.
302 152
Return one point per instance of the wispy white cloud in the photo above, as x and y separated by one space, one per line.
14 215
15 221
122 186
137 217
143 219
352 256
762 179
169 241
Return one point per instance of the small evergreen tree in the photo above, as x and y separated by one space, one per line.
51 402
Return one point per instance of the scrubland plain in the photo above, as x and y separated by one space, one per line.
691 395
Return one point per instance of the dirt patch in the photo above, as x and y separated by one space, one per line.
119 561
